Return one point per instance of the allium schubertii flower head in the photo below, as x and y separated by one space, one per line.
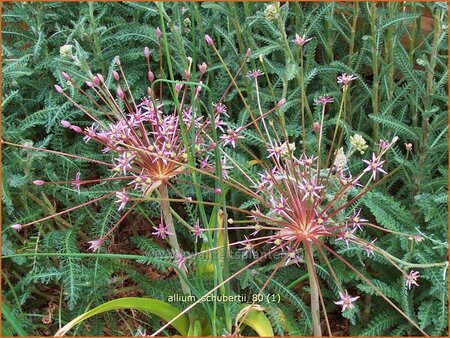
146 142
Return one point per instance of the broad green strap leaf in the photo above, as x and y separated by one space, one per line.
195 330
153 306
258 321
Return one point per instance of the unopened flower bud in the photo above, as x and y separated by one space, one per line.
65 123
202 68
100 77
116 75
59 89
38 182
316 127
96 80
147 52
16 226
383 144
76 128
395 139
198 89
248 53
281 102
65 76
151 76
158 32
208 40
118 62
217 191
89 84
189 199
187 74
120 92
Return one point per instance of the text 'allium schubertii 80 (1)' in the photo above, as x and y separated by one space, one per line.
146 142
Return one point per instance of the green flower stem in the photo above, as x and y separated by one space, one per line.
237 27
412 47
13 291
244 101
280 114
329 30
376 81
303 99
98 55
314 290
341 108
437 39
181 220
165 208
80 255
319 142
350 54
411 265
390 45
290 56
353 34
298 280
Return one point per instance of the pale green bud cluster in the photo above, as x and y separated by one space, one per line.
66 51
187 25
358 143
271 13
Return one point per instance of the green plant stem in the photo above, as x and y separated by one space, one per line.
13 291
411 265
314 290
165 208
289 56
242 49
373 23
353 33
338 118
97 48
437 38
390 45
350 56
303 98
298 280
412 47
329 30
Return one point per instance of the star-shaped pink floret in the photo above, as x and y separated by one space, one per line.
310 188
301 40
346 300
180 260
375 165
122 198
76 182
231 137
161 231
356 219
411 279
